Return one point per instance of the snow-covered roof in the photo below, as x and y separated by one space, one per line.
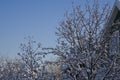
115 10
117 3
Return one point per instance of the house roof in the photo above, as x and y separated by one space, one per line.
114 13
118 4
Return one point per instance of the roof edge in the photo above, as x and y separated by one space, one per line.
115 9
117 2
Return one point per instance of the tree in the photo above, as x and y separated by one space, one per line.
11 69
53 68
30 66
32 58
82 45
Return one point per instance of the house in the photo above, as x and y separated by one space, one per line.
113 28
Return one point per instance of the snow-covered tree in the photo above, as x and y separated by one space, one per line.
83 44
12 70
31 55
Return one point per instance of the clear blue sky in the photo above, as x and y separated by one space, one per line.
22 18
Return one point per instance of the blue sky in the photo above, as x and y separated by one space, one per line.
38 18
